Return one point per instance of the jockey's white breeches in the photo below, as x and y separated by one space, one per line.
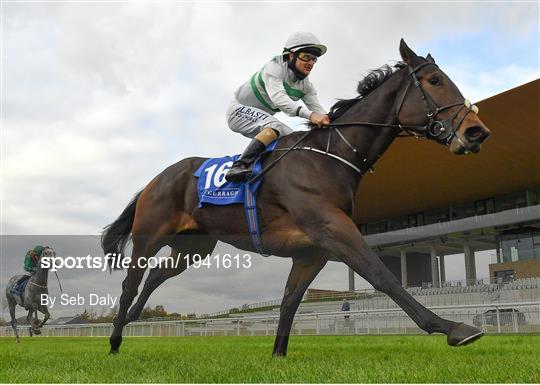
249 121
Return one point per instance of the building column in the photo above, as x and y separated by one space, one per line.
443 270
434 267
351 279
470 263
403 256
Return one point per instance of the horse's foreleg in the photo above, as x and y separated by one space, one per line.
302 273
336 232
46 314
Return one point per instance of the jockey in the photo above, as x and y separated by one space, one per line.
31 258
276 87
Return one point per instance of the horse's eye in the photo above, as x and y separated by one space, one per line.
434 81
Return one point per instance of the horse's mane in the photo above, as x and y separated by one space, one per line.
372 80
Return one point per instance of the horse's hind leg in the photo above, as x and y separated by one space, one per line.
31 321
302 273
129 292
183 245
12 304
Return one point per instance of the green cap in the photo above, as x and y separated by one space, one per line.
39 250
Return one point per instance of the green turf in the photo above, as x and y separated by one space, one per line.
323 359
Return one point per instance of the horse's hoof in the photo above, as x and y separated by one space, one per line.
279 354
463 334
113 351
115 342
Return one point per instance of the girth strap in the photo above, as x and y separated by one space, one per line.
250 206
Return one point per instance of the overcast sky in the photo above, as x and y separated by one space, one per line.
98 98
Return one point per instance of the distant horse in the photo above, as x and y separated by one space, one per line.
31 297
306 201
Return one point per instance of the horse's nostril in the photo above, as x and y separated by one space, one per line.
476 134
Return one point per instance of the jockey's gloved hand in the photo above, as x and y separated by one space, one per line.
318 119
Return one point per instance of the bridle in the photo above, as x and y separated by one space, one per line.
441 131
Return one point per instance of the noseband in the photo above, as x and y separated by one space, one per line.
441 131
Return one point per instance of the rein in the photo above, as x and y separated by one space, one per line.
35 284
255 178
433 129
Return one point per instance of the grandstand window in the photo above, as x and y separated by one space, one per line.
536 244
463 211
514 247
377 227
525 246
437 215
416 219
511 201
485 206
504 276
397 223
533 196
509 248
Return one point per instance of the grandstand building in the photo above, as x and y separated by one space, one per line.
424 203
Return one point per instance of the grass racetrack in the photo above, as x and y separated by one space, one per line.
321 359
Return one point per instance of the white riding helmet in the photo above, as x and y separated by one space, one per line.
299 40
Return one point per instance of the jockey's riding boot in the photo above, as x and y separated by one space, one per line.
241 169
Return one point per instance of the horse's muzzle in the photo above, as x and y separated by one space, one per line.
476 134
469 138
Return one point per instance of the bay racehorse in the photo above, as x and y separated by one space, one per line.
306 201
31 297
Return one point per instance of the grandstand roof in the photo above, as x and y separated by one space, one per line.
418 175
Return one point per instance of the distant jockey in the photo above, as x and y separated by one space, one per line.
276 87
31 258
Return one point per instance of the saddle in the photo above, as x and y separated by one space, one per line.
19 288
213 189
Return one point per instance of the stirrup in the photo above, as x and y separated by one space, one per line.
236 174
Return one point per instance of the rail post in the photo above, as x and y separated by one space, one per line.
498 319
367 322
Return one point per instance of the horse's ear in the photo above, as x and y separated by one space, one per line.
408 54
430 59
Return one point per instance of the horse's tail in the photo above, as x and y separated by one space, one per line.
116 235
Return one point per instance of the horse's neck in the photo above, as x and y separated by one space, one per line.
41 276
378 107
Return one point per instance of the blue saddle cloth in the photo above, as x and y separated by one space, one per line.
20 286
214 189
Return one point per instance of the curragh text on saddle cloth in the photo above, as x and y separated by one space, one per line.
214 189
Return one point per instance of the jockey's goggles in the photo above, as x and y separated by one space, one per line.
306 57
